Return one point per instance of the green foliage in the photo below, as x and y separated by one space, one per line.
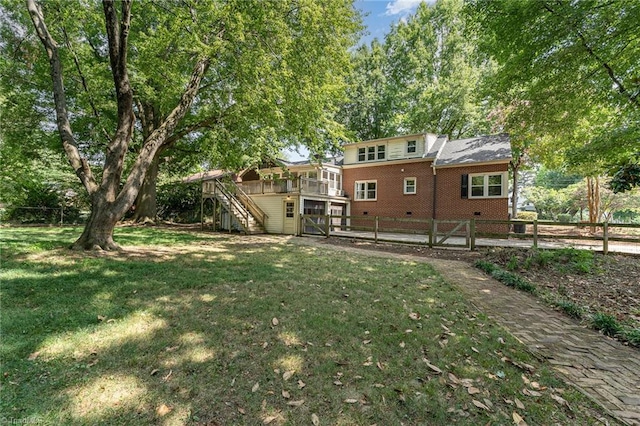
486 266
179 202
626 176
508 278
40 202
564 78
570 308
565 217
424 77
632 336
607 324
566 259
527 215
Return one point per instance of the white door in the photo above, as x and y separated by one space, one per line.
290 215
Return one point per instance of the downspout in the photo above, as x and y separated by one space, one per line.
435 185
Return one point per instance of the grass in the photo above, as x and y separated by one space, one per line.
192 329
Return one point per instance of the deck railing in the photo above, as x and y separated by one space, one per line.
299 185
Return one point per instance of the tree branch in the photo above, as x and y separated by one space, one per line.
80 165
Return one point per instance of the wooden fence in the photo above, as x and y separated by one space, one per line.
464 232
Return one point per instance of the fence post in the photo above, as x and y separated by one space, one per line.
535 233
375 230
472 233
327 225
605 238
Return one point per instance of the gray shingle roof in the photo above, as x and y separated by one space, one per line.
480 149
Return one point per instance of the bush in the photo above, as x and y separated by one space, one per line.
565 217
179 202
527 216
41 202
508 278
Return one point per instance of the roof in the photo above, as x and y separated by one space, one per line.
372 141
209 175
481 149
332 161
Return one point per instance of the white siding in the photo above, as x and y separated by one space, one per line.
350 154
272 205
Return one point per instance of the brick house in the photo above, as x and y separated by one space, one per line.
418 176
428 176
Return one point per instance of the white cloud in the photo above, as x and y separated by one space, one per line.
397 7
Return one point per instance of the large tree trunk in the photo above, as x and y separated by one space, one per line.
146 202
98 231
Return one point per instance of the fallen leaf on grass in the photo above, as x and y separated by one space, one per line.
268 420
431 366
473 390
172 348
479 404
402 344
296 403
288 374
101 318
163 410
519 403
518 420
337 383
275 321
241 411
255 387
33 356
414 315
560 400
286 394
301 384
315 420
351 401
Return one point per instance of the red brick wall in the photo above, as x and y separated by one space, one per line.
391 200
450 204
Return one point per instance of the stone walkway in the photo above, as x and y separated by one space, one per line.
603 369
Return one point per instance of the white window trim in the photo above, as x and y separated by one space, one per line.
376 153
355 190
415 147
415 186
505 182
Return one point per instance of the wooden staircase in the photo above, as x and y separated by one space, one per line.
243 211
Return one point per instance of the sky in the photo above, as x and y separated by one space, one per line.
377 16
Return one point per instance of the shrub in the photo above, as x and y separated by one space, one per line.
565 217
632 336
179 202
527 215
41 203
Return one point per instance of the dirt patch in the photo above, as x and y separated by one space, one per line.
611 285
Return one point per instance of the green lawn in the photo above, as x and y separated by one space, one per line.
215 329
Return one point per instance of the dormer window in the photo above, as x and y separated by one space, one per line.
411 147
372 153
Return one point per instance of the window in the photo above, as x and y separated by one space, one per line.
289 209
372 153
410 185
411 147
366 190
487 185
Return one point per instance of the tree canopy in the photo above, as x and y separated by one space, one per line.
568 76
423 77
122 81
